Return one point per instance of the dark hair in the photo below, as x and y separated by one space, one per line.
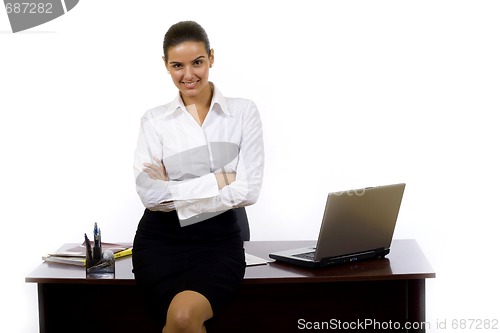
185 31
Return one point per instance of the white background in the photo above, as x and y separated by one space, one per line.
351 94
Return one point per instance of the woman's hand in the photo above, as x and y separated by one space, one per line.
225 178
156 171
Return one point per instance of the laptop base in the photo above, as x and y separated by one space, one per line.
325 262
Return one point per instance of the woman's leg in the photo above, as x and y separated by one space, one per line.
188 312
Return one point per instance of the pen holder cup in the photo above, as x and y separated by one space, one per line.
102 269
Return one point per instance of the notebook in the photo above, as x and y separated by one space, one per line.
357 225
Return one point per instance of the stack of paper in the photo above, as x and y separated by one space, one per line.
76 255
252 260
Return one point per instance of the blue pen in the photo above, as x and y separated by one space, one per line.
97 244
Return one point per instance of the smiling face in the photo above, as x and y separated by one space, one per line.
188 64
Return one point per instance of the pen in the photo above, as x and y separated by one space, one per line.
89 251
97 244
95 232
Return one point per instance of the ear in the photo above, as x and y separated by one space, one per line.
211 57
165 63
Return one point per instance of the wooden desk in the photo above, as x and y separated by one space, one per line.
273 298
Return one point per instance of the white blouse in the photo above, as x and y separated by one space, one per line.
230 140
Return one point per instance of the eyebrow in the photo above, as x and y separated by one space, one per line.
178 62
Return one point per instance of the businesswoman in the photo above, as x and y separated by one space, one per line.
197 158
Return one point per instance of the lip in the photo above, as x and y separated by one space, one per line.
190 84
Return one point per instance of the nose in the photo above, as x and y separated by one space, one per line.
188 73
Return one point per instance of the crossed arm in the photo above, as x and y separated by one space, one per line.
158 172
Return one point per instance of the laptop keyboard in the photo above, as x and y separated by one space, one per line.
306 255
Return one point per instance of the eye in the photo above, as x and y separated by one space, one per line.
198 62
176 66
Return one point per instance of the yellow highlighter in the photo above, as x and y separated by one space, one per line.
123 253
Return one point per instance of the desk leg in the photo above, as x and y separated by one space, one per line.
416 302
41 308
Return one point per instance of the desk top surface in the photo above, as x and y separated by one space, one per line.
405 261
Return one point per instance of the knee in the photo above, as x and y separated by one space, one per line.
180 319
187 313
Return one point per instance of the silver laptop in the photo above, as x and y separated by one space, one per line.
357 225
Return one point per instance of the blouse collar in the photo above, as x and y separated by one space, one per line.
219 102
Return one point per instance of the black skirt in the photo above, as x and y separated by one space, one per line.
206 257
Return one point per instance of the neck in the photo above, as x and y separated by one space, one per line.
198 106
202 100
